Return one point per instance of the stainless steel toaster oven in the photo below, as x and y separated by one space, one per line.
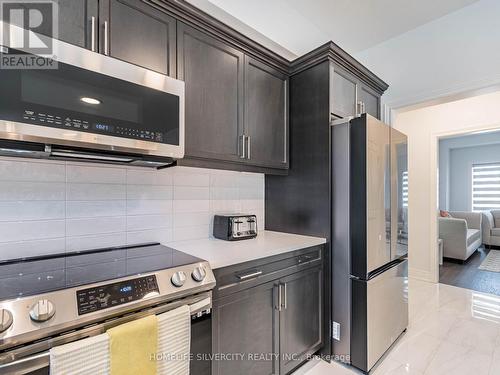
235 227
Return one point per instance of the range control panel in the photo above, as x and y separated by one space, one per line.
104 296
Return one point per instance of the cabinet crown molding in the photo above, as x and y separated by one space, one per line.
332 52
189 14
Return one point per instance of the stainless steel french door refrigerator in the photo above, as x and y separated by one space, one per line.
369 239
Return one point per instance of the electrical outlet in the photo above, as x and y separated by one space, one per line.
336 331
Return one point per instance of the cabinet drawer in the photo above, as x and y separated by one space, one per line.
249 274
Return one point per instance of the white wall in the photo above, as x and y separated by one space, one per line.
424 126
453 54
456 157
56 206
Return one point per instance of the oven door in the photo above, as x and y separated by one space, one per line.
33 358
89 100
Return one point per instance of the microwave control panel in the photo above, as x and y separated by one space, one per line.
85 125
115 294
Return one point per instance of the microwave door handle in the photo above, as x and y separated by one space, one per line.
85 156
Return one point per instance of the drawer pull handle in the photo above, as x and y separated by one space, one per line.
307 259
249 275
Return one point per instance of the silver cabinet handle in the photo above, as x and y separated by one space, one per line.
243 147
249 142
279 297
249 275
285 298
92 33
106 37
360 107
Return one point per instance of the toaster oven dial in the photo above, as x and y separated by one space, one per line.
5 319
199 274
42 310
178 279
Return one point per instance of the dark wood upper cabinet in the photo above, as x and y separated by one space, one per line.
213 74
344 93
236 91
266 115
137 33
75 21
247 322
128 30
351 96
301 322
370 100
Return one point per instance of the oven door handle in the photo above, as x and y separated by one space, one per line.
42 360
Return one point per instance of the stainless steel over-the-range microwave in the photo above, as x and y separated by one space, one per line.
91 107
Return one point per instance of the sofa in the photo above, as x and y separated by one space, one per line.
491 227
461 234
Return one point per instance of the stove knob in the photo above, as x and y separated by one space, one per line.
5 319
42 311
199 274
178 279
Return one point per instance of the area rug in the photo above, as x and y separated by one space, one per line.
491 262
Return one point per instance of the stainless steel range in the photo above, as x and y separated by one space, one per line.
53 300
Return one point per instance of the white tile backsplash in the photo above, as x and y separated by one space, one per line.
32 191
95 225
50 207
13 231
141 222
78 243
31 210
95 175
149 207
82 209
149 177
14 170
81 192
191 206
191 193
191 177
20 249
149 192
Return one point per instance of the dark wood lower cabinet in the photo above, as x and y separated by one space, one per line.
269 328
301 318
246 324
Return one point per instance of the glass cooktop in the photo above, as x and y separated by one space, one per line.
25 277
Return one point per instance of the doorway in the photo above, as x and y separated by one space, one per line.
469 204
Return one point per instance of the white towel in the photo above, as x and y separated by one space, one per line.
83 357
91 356
174 342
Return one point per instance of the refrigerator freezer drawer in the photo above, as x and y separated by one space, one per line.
380 309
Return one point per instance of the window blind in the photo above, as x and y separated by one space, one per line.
485 186
405 189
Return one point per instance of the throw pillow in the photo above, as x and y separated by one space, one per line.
443 213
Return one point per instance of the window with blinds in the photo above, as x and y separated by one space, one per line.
485 186
405 189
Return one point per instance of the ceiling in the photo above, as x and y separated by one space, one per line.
353 24
426 50
361 24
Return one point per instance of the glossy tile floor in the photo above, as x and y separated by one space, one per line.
452 331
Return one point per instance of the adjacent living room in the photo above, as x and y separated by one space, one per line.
469 211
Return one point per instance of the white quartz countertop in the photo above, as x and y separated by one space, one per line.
220 253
